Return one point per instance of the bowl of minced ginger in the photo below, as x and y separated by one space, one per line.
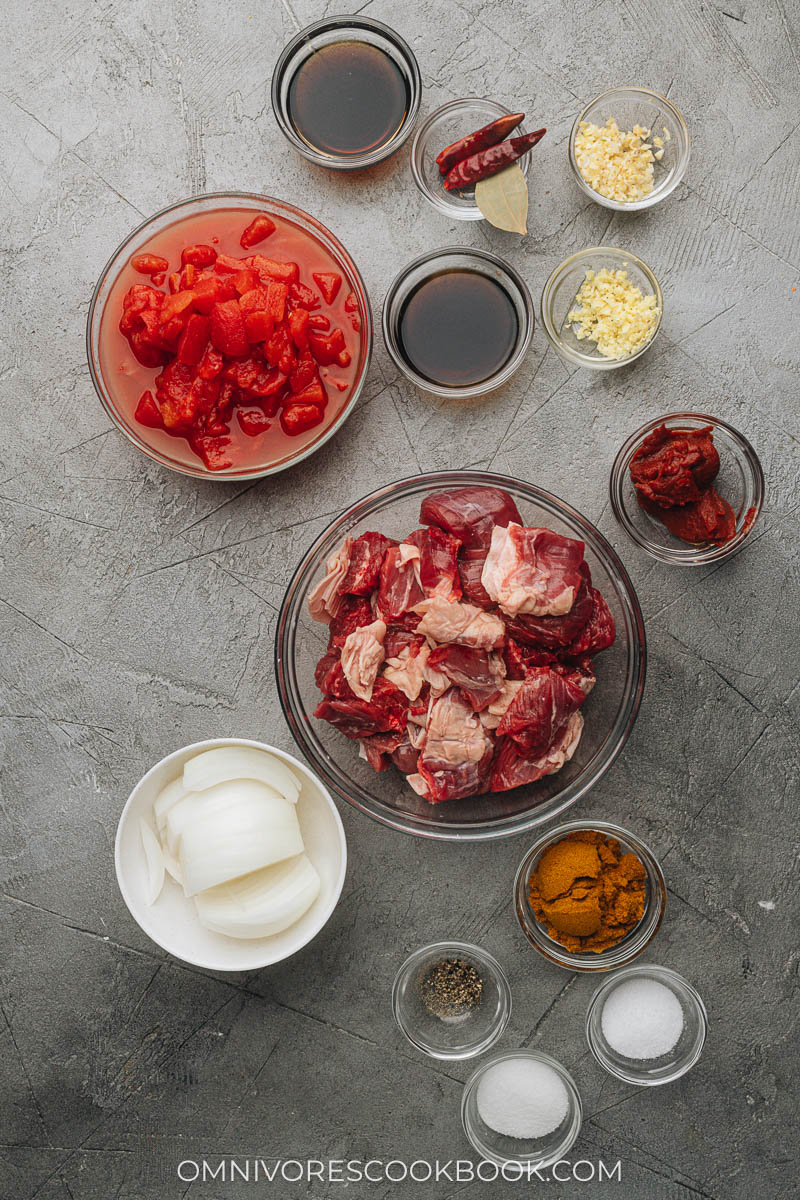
590 897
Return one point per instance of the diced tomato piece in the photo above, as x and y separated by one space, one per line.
158 279
297 418
189 276
226 263
344 358
259 326
351 303
227 328
267 382
173 306
326 349
252 421
243 372
354 321
210 364
279 351
171 331
174 392
212 450
319 322
313 393
276 301
303 297
259 229
254 300
149 264
328 283
199 255
227 396
305 371
298 327
175 282
147 411
144 350
245 281
193 340
269 269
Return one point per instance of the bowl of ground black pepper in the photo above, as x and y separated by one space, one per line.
589 897
451 1000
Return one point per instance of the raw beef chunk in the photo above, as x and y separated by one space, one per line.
364 568
470 513
533 571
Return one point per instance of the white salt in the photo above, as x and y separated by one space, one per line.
522 1098
642 1018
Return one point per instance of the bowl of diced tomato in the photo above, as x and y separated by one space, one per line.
229 336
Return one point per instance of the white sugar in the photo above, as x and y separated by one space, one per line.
522 1098
642 1018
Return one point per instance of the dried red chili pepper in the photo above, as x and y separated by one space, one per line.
481 139
489 162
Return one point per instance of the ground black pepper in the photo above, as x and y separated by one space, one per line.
451 987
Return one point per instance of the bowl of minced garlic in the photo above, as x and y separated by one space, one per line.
590 897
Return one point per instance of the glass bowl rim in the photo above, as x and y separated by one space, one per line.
576 1105
574 356
589 962
387 149
678 556
494 828
493 967
683 986
522 345
452 210
658 194
289 212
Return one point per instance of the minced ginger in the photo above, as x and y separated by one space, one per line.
613 313
616 163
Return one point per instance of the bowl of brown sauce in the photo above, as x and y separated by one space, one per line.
346 92
458 322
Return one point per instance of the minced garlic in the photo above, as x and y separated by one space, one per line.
613 313
616 163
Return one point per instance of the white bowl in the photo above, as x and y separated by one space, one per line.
172 921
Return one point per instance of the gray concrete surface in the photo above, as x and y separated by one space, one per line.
138 608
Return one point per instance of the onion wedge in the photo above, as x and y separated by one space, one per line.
165 799
262 903
230 830
155 862
227 763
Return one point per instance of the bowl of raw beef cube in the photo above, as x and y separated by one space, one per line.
461 655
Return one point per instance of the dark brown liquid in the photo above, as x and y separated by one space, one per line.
348 98
458 328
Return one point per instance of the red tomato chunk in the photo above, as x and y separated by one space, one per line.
233 337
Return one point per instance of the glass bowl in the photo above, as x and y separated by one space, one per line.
650 1072
117 276
610 709
444 126
461 1036
631 106
534 1152
628 947
740 482
450 259
345 29
559 296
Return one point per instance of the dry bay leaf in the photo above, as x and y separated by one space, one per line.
503 199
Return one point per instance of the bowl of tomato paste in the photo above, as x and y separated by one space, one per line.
229 336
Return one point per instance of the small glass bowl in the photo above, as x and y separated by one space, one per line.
535 1152
628 947
559 298
631 106
345 29
740 482
444 126
455 258
461 1036
650 1072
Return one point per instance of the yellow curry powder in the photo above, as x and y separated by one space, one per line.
587 891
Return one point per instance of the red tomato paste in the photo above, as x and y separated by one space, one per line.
232 335
673 472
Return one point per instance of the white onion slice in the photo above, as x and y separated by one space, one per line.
155 862
185 811
172 867
226 763
230 830
262 903
165 799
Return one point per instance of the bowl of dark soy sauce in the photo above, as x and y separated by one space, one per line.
346 92
458 322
